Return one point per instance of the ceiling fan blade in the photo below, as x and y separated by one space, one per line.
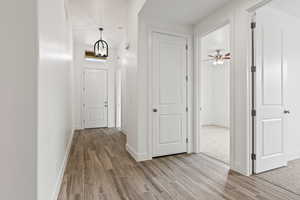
211 56
228 54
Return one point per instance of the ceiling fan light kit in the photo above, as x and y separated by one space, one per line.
218 62
219 58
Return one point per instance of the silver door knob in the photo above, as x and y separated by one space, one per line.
155 110
286 112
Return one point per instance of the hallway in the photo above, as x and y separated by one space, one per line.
100 168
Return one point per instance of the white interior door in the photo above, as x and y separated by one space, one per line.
95 98
169 94
270 133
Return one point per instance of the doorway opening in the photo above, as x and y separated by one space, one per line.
215 94
276 138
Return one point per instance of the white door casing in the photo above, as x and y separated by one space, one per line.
169 94
95 98
270 92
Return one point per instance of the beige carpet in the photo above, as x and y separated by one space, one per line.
286 177
215 142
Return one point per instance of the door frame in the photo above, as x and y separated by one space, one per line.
83 97
252 77
198 86
189 96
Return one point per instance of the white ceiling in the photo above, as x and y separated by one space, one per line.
184 12
88 15
289 6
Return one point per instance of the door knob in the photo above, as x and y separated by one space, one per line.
155 110
286 112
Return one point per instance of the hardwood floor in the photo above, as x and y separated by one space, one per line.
285 177
99 168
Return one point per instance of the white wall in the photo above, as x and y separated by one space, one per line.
54 94
80 63
130 68
121 63
215 80
119 98
18 86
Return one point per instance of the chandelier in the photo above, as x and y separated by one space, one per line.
101 46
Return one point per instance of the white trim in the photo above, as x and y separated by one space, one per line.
249 92
63 168
139 157
190 133
293 157
258 5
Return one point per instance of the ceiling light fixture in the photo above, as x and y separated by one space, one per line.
218 58
101 46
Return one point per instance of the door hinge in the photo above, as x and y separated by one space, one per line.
186 47
187 78
253 113
187 109
253 156
187 140
253 69
253 25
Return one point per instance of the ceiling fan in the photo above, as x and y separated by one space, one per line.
218 58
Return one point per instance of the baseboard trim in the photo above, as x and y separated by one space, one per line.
293 157
139 157
63 168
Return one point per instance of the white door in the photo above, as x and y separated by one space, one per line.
270 92
95 98
169 93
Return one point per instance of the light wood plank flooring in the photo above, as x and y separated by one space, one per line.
285 177
99 168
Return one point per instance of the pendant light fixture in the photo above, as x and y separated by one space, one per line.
101 46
